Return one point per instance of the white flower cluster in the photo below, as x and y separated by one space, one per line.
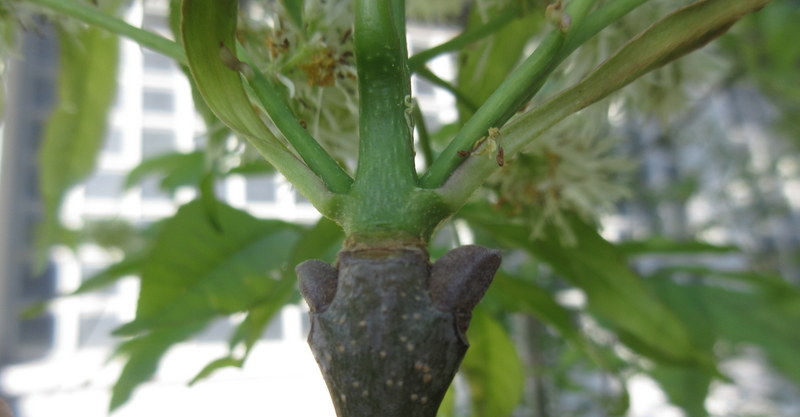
572 168
316 64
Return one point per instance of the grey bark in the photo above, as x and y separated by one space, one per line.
388 329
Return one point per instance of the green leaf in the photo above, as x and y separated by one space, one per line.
662 245
74 133
196 271
486 65
208 28
295 10
208 370
131 265
320 242
744 316
492 367
615 293
687 388
258 167
518 295
143 355
175 170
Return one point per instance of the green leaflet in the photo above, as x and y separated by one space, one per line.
492 367
320 242
143 355
612 288
486 65
196 271
207 29
175 170
662 245
74 133
757 316
518 295
132 264
687 387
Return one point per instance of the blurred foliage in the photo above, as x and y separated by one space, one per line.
676 322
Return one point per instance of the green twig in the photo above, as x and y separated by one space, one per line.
597 21
417 62
465 101
424 137
268 94
516 90
93 16
677 34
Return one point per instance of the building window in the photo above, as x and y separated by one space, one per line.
105 185
41 286
88 271
423 87
260 189
95 330
162 101
219 330
151 190
35 336
155 22
113 141
157 142
300 199
274 330
157 62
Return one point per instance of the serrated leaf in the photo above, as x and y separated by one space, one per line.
131 265
613 290
74 133
224 362
492 368
196 271
319 242
142 357
174 169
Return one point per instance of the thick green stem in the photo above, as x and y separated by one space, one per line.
95 17
385 176
670 38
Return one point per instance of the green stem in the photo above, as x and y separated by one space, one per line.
598 20
268 94
417 62
677 34
424 136
465 101
497 109
93 16
520 86
385 174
